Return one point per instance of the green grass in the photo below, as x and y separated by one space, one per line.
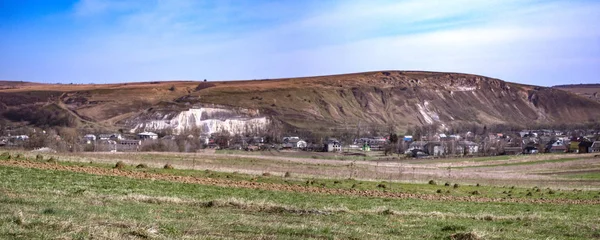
44 204
440 188
584 176
527 163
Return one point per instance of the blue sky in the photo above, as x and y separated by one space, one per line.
104 41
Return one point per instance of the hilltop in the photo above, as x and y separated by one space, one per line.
591 91
375 99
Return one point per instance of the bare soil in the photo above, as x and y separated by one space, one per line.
277 187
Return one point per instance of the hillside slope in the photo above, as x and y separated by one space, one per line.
381 99
591 91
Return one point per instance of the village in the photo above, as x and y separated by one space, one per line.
427 145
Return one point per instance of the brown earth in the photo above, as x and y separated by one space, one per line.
278 187
591 91
375 99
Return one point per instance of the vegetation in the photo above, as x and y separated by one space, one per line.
63 204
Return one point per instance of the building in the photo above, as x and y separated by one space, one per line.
595 147
89 138
294 142
147 136
585 146
469 147
332 145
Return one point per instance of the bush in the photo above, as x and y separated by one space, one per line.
141 165
120 165
475 192
381 185
19 155
439 191
478 185
456 185
51 160
287 175
431 182
39 157
266 174
447 184
465 236
168 166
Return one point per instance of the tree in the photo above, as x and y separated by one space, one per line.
393 138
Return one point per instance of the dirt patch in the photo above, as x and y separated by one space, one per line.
572 172
278 187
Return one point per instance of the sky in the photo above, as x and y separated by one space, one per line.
540 42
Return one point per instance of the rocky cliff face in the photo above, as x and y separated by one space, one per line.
207 120
382 99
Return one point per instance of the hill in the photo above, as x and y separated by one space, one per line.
374 99
591 91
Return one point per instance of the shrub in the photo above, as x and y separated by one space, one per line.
465 236
381 185
456 185
287 175
454 228
266 174
475 192
141 165
39 157
168 166
431 182
353 185
387 212
51 160
439 191
478 185
447 184
336 182
120 165
551 191
19 156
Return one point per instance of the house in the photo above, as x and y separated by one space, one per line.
116 136
89 138
130 142
513 150
469 147
574 145
103 136
435 148
558 149
556 146
417 145
295 143
595 147
408 138
147 135
333 145
584 146
21 137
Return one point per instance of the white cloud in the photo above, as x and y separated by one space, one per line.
526 41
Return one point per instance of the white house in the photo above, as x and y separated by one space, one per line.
89 138
148 135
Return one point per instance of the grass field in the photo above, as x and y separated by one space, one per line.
83 200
